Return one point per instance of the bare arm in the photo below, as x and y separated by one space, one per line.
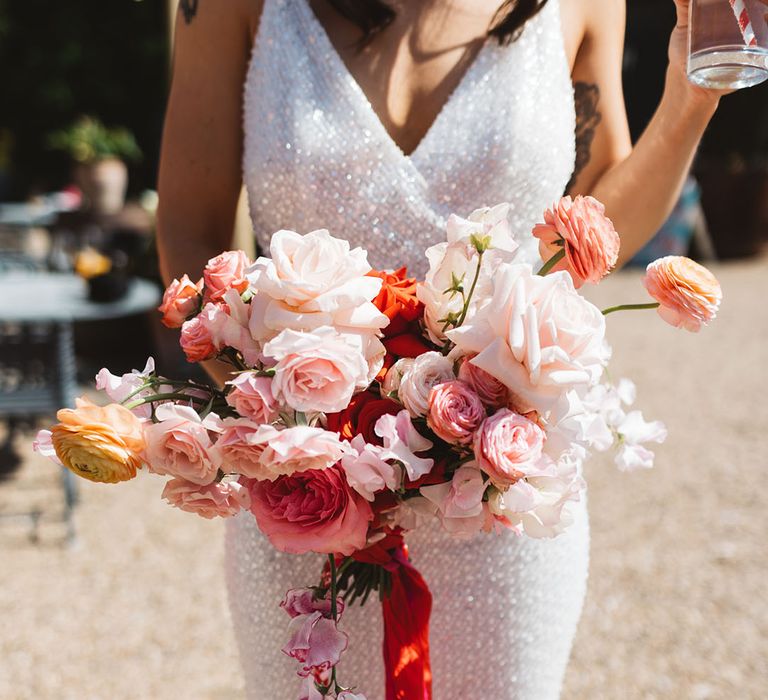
639 186
200 178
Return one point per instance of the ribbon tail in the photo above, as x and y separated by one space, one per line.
406 614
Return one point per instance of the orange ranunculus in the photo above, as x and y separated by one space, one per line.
100 444
397 300
689 295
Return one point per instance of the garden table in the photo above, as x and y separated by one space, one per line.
37 353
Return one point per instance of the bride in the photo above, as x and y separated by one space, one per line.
377 120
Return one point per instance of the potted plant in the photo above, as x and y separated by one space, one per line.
99 154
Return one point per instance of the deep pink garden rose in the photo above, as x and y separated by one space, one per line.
196 341
217 500
689 294
180 444
181 300
251 396
508 447
311 511
581 227
225 272
316 642
455 412
491 391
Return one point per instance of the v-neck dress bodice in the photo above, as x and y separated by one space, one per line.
317 156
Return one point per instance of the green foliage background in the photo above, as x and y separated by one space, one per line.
60 60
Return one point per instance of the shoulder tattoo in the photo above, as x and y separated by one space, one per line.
189 9
588 117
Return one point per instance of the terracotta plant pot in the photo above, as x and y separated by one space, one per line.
104 184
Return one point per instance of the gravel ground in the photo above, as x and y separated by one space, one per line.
676 605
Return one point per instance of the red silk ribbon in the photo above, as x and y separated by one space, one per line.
406 614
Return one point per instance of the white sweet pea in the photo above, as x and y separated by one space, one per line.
633 431
120 388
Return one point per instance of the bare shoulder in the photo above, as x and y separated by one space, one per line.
585 23
216 20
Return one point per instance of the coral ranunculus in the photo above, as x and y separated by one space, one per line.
101 444
311 511
689 294
581 227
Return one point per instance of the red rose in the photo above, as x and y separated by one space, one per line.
359 418
397 300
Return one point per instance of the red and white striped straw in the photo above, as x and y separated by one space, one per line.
745 24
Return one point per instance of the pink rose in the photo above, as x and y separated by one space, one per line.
508 447
180 444
316 642
311 511
217 500
297 449
196 341
688 293
403 441
419 377
181 300
581 227
317 371
370 469
455 412
537 335
225 272
491 391
240 447
251 396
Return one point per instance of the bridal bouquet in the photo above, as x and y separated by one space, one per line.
362 402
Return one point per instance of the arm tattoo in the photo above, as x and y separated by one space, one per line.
189 9
587 96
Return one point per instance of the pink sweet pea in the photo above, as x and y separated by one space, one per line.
311 511
120 388
370 468
225 272
181 299
316 642
180 444
251 396
460 501
404 442
216 500
581 227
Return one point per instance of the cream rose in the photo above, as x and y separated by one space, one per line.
426 371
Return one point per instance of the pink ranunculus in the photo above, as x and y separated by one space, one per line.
508 447
538 336
120 388
239 448
426 371
491 391
180 444
404 442
225 272
311 511
297 449
316 642
181 299
459 502
581 227
216 500
196 341
455 412
251 396
317 371
689 295
370 468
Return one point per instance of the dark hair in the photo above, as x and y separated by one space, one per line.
373 16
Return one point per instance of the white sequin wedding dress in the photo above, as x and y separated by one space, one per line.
316 156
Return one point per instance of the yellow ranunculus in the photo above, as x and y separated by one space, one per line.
100 444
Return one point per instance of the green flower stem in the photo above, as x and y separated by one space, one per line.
334 610
165 397
468 300
556 258
630 307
